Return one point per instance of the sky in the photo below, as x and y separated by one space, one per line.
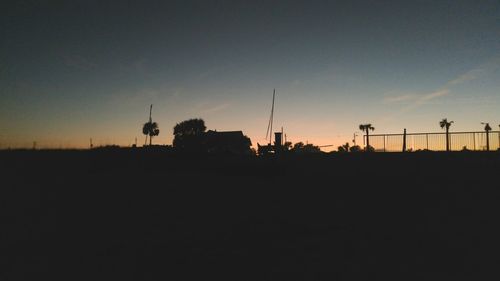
75 70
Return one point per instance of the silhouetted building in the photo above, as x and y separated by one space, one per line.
265 149
270 148
234 142
277 139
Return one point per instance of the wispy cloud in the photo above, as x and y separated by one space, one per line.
79 62
140 66
146 96
418 100
213 108
209 72
489 66
430 96
468 76
400 98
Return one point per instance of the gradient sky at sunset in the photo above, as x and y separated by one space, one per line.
69 71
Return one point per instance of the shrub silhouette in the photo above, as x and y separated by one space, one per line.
343 148
355 148
300 147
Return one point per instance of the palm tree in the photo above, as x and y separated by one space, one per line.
487 128
150 129
366 128
446 125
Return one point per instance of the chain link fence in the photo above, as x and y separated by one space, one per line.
435 141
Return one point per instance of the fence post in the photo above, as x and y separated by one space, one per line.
487 140
427 141
404 140
384 142
474 140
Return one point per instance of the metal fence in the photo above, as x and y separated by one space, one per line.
434 141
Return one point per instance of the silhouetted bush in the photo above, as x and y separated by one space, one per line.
307 148
355 148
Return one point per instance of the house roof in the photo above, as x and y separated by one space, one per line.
225 134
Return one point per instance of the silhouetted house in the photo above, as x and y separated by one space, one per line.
234 142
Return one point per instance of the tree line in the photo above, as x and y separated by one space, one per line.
192 136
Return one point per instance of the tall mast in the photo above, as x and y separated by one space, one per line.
272 117
270 124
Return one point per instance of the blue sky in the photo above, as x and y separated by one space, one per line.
70 71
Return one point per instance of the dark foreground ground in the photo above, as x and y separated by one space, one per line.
136 215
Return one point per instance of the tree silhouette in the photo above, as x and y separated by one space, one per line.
297 146
446 125
343 148
150 128
188 134
366 128
300 147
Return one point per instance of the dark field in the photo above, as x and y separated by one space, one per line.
143 215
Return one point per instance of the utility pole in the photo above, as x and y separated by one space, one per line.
150 121
354 138
91 144
150 110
